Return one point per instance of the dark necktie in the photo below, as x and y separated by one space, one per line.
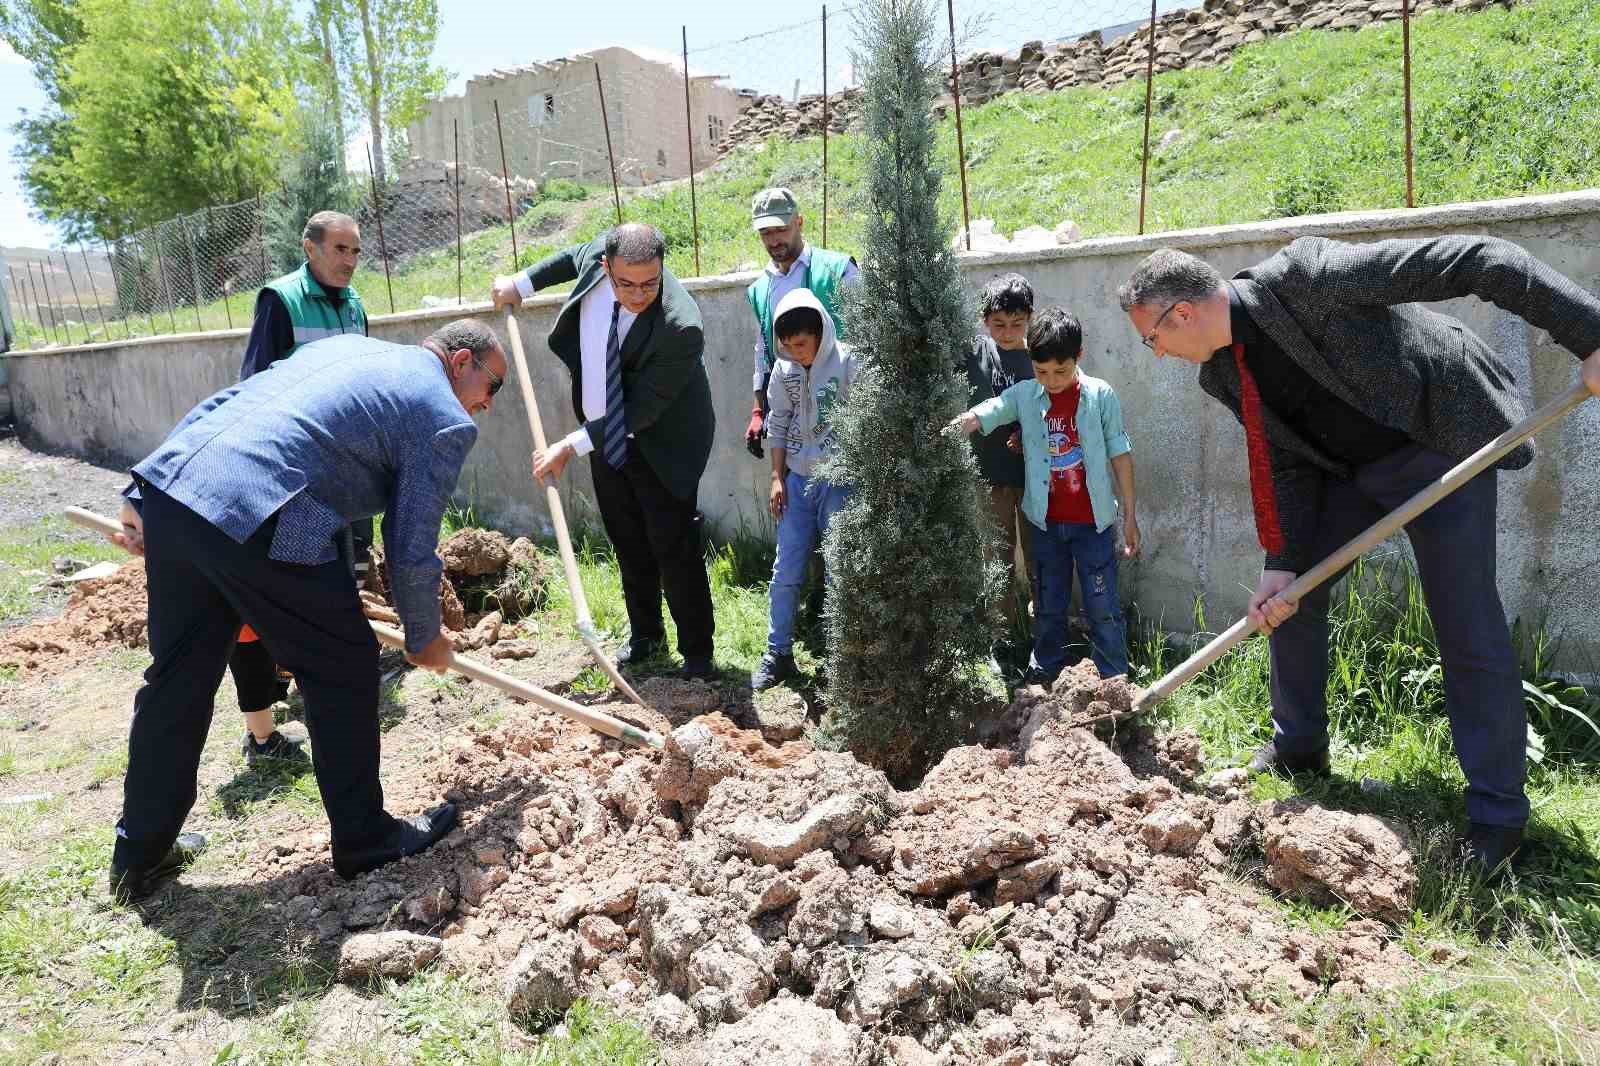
1255 439
616 428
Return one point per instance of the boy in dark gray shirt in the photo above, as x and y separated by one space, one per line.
999 359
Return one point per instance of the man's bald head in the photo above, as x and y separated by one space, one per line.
635 242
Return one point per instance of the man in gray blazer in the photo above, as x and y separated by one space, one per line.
239 515
1353 399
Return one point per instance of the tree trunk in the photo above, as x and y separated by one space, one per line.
374 89
325 24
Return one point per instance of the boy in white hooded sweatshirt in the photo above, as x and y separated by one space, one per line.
810 379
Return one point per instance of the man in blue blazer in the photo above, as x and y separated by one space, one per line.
237 515
632 339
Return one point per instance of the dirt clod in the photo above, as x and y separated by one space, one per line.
1328 856
394 953
102 613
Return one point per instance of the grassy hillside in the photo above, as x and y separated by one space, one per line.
1506 102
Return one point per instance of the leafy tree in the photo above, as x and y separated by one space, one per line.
910 606
315 180
160 106
386 51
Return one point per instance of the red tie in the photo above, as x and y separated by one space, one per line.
1255 439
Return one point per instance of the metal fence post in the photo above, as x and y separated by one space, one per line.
116 289
22 297
226 293
688 121
961 143
383 248
505 179
76 298
62 333
166 286
48 330
1149 93
616 193
1405 36
194 271
455 125
261 239
824 125
88 273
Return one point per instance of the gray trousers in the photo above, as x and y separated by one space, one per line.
1454 543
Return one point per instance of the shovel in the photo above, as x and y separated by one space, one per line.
1452 479
580 602
522 690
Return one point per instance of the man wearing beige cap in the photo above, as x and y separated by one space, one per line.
795 264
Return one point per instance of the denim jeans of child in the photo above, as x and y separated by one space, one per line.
812 505
1057 550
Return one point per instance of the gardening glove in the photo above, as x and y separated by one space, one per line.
754 432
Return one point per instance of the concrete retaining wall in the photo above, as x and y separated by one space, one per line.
115 402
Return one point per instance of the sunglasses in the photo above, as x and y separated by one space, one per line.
495 380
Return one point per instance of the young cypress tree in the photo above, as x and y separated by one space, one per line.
909 607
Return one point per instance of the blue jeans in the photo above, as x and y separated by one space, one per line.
812 505
1055 551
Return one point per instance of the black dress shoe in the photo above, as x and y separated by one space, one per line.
1492 849
1267 758
409 836
128 885
698 668
637 651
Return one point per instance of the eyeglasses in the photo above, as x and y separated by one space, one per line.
1149 339
642 286
495 380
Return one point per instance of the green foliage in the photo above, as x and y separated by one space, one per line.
165 107
562 189
314 180
386 52
908 611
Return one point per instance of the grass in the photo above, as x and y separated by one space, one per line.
1298 124
1527 992
25 557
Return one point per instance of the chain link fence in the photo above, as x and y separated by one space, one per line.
553 145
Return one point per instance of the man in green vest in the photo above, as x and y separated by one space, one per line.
304 305
795 264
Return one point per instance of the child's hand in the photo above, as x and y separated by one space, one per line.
778 498
965 423
1131 538
1014 442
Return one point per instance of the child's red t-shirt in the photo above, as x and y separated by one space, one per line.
1069 490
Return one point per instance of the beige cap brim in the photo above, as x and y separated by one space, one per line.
771 220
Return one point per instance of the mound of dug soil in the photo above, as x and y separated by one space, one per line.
503 580
101 613
1053 901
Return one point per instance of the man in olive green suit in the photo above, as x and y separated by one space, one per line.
632 339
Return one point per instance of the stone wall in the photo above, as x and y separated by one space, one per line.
115 402
1193 37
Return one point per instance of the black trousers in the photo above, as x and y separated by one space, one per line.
658 540
1454 544
201 586
255 675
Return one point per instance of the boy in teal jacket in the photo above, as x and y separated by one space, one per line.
1074 447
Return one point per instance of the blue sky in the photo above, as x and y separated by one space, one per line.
478 35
